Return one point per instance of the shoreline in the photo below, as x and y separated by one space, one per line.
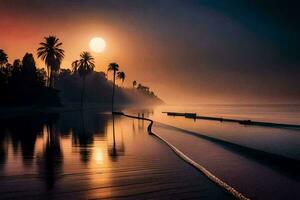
17 111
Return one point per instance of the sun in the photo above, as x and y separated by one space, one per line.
97 44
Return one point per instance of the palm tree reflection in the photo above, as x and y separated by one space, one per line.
3 150
50 163
114 150
38 141
83 138
85 141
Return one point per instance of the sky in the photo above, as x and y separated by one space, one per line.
187 51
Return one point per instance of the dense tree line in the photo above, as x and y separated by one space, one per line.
22 83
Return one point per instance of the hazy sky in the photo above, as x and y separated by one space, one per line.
187 51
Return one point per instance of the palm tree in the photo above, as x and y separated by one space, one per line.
121 76
51 52
113 67
75 65
134 83
84 66
3 58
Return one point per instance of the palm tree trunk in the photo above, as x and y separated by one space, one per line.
48 72
113 93
51 79
82 91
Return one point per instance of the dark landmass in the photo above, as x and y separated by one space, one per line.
24 89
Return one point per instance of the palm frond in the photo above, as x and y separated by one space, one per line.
113 67
85 64
121 76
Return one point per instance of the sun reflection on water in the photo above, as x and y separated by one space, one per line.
98 155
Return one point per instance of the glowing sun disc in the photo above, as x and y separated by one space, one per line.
97 44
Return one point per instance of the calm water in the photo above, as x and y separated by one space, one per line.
254 175
281 141
271 113
91 155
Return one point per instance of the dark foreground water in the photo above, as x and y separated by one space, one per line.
91 155
260 162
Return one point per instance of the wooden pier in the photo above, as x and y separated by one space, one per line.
244 122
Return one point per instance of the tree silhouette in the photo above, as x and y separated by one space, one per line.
28 64
113 67
75 65
51 52
121 76
17 63
134 83
83 67
3 58
30 76
25 84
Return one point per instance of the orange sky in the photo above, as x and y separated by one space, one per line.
186 54
23 33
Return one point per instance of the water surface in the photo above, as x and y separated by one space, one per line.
234 152
92 155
